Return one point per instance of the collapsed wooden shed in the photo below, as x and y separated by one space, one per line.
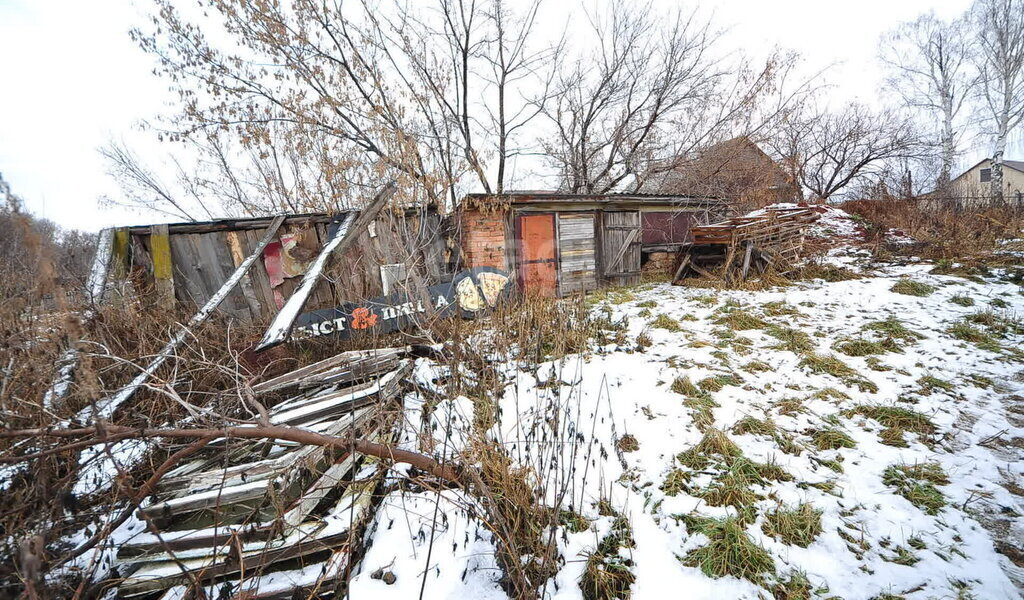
189 262
770 238
559 244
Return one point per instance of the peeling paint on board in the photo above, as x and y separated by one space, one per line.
468 294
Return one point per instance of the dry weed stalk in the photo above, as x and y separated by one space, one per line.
943 228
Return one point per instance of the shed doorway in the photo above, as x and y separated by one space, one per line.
536 254
620 247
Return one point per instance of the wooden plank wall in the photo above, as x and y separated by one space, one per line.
199 263
415 240
620 247
577 260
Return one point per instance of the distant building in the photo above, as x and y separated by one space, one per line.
557 244
975 184
735 170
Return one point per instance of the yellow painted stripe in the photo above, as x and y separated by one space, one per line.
160 244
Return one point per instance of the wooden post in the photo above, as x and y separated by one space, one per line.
746 260
163 266
682 267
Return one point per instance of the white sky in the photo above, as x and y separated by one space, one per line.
72 79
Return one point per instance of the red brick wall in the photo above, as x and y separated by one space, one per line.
483 238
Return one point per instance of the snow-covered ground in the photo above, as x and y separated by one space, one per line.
566 419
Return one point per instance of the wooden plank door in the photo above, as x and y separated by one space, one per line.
577 255
536 254
620 247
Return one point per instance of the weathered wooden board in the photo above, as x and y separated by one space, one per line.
577 253
163 266
620 247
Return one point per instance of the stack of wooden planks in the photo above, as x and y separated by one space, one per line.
272 519
735 248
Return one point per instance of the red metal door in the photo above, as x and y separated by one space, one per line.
535 254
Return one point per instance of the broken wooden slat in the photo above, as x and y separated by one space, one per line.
308 538
345 235
292 378
105 408
237 257
341 402
263 469
119 252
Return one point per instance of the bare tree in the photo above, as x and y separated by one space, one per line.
929 61
512 62
827 150
1000 63
345 97
653 91
143 187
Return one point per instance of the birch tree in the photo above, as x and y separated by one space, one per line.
929 60
1000 63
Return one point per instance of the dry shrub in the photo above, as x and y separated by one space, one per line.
514 514
942 229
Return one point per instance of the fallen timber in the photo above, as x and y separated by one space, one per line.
258 518
734 249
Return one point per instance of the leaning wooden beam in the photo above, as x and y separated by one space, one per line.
94 287
106 407
344 237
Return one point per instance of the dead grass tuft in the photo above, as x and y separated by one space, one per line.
628 443
753 425
730 551
831 439
715 383
608 575
917 484
663 321
756 366
831 365
793 586
909 287
895 417
866 347
740 320
794 340
797 526
891 327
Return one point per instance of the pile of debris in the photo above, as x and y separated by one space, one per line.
735 248
272 518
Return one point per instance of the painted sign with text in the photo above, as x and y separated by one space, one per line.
466 295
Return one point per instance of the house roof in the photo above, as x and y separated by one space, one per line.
1016 165
725 167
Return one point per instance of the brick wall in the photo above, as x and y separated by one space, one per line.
483 238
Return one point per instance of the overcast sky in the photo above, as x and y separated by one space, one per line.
72 79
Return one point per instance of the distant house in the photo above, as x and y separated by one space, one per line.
736 170
975 184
